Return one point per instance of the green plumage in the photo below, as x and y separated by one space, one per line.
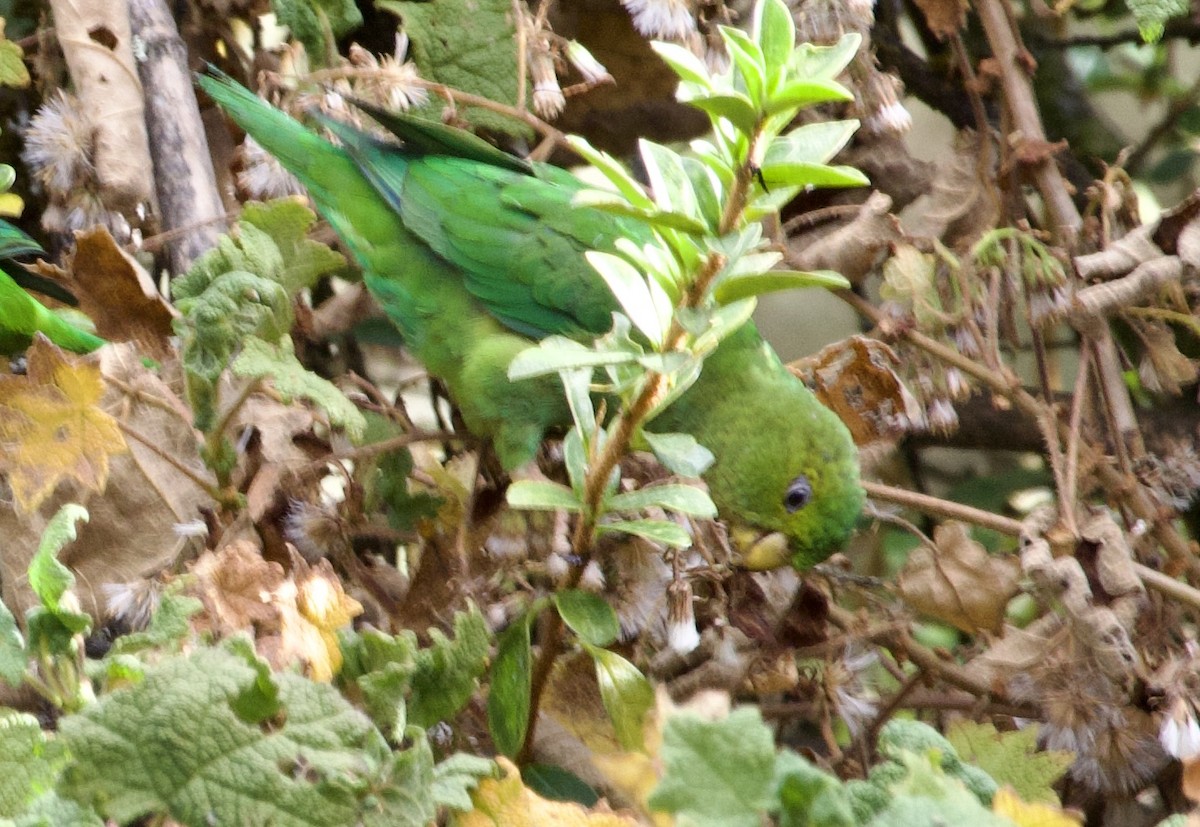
474 254
21 315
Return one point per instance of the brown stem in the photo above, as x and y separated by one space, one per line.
942 508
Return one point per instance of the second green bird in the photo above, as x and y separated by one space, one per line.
474 255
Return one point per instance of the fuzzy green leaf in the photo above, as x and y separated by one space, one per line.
29 762
1012 758
49 578
733 106
588 615
448 670
260 360
174 744
405 796
302 260
747 57
467 45
801 93
717 773
457 776
318 23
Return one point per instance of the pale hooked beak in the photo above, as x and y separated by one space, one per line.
761 552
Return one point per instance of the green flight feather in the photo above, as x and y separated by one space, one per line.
474 254
21 315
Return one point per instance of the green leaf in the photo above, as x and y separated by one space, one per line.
575 459
404 683
588 615
13 71
771 25
29 762
1151 15
467 45
733 106
811 62
318 24
813 143
684 63
669 182
404 797
454 778
1012 758
748 59
509 696
168 626
681 453
49 578
557 784
657 531
613 170
174 744
717 773
685 499
260 360
740 287
540 495
13 658
302 260
555 354
812 176
626 694
632 292
801 93
808 796
615 204
448 670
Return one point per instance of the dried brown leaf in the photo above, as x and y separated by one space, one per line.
857 378
958 582
115 291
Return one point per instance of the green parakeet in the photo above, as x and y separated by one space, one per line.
475 254
21 315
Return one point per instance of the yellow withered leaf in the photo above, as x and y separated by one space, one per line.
1008 804
507 802
52 427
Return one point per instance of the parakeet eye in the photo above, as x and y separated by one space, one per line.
798 494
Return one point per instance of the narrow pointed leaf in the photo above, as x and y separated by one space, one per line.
685 499
512 685
824 62
775 32
612 169
748 58
632 293
812 176
683 62
740 287
557 354
657 531
669 183
801 93
734 107
626 694
539 495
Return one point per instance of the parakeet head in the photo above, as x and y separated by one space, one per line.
793 499
786 476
